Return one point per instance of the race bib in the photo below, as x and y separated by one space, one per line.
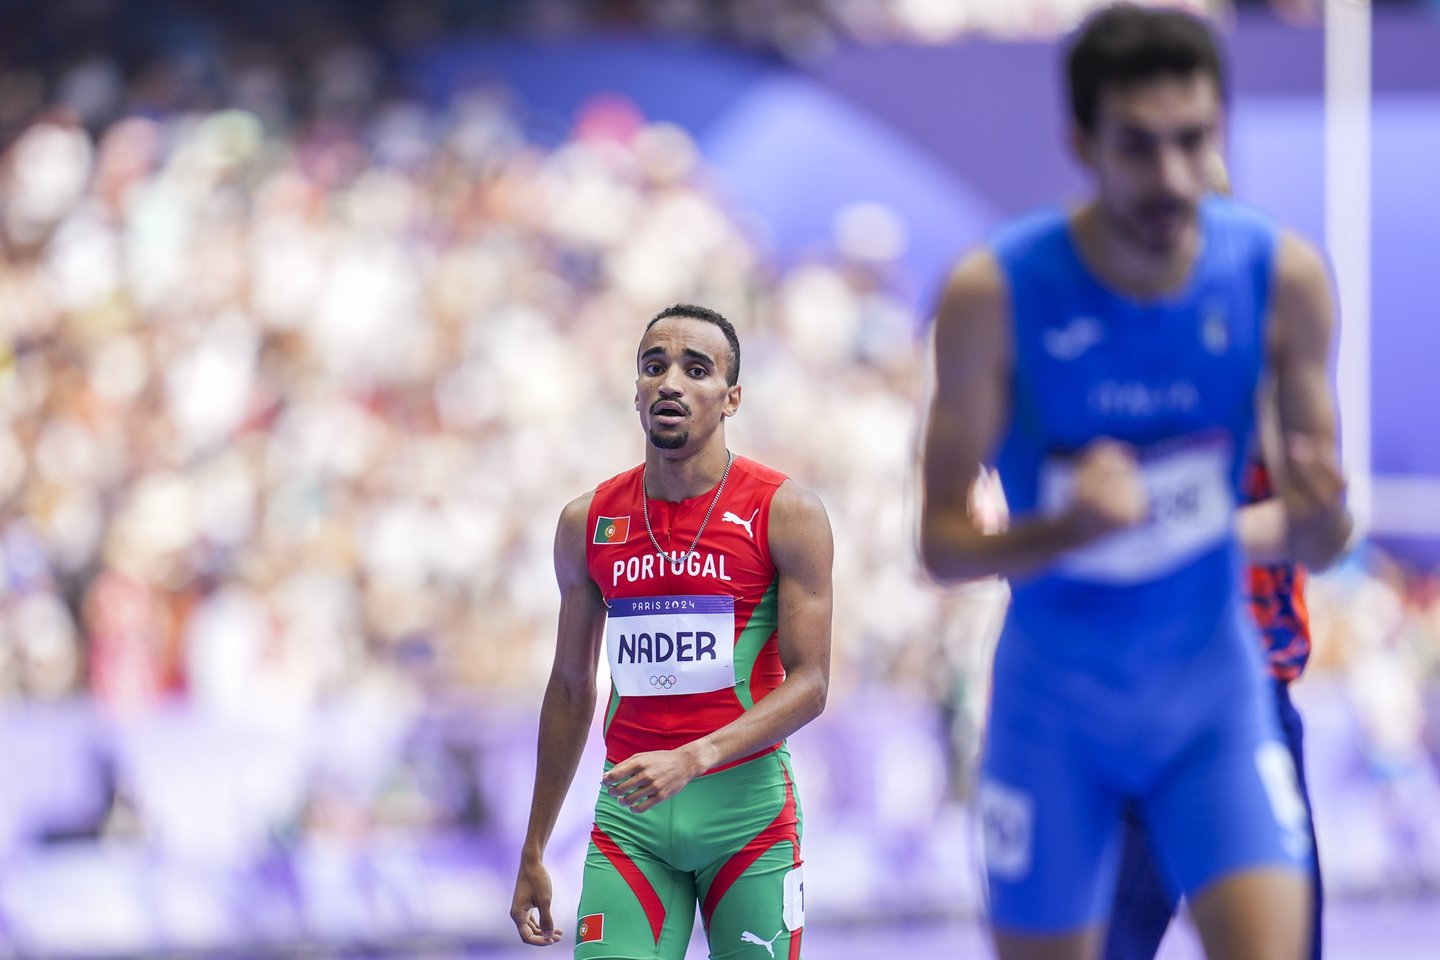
1192 509
668 645
793 910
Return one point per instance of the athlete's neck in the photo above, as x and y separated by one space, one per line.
683 477
1128 267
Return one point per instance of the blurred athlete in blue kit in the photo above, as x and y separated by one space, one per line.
1106 361
1143 905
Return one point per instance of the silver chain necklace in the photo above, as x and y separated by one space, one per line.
694 544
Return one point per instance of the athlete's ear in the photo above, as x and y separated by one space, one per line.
732 401
637 399
1082 146
1217 170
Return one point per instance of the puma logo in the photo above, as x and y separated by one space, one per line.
748 937
732 518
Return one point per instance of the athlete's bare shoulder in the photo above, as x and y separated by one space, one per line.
976 281
973 314
796 501
1298 257
798 523
1303 302
577 511
570 538
1299 263
980 267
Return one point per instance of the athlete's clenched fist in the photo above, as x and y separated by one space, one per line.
1109 492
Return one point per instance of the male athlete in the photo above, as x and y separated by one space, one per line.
1276 591
705 579
1106 360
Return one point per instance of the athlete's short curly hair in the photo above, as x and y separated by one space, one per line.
690 310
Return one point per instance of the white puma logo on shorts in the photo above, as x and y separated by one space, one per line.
748 937
729 517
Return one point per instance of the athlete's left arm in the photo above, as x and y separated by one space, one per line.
1261 524
1301 336
803 549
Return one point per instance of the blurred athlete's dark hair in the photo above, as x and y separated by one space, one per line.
1126 43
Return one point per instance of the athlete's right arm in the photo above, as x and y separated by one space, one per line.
565 717
974 364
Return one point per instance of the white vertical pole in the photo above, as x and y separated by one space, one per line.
1347 230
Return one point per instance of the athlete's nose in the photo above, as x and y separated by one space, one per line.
1174 170
673 383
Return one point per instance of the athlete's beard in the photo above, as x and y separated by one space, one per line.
669 441
1135 224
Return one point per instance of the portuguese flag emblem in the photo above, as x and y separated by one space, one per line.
592 928
612 529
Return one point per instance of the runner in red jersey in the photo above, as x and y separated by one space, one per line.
705 578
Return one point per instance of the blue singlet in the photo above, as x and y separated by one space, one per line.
1129 671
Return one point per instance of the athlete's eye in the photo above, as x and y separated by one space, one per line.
1137 147
1192 140
697 371
652 368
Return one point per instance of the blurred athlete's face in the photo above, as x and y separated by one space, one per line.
1151 153
680 388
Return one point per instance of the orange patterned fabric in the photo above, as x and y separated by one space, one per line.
1277 597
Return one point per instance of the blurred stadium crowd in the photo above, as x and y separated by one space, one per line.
274 402
169 52
296 374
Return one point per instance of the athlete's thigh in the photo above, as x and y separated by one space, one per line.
1261 913
633 904
762 912
751 881
1051 830
1229 804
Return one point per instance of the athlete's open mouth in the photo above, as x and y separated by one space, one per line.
669 410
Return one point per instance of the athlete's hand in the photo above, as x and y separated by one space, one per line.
642 781
1109 492
1314 495
532 896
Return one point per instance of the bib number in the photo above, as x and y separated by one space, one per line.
1192 510
661 646
793 911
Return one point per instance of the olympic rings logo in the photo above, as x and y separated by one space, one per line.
663 682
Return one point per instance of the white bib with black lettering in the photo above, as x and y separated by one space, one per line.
1192 509
668 645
